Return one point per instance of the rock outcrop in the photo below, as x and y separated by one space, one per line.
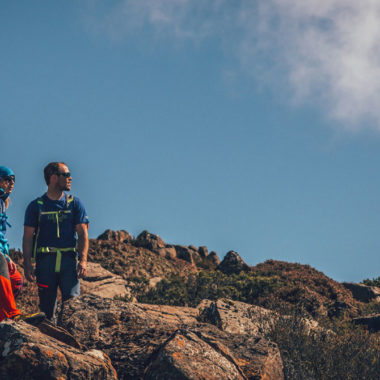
149 241
27 353
363 293
104 283
203 251
236 317
132 262
154 243
204 352
233 264
120 235
153 341
240 318
213 258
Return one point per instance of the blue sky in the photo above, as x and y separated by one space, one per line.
253 126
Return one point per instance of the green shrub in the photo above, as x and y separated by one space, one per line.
373 282
175 290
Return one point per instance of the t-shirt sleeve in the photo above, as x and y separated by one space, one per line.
31 215
80 215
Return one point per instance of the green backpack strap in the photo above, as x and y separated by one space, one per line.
69 199
40 204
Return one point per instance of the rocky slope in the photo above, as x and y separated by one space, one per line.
147 259
219 337
156 342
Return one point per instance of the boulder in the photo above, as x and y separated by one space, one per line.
120 235
240 318
205 352
233 264
27 353
128 332
169 252
186 356
103 283
185 253
149 241
236 317
214 258
155 341
363 293
203 251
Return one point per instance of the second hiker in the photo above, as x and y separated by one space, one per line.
55 234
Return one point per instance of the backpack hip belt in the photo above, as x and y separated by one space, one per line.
59 252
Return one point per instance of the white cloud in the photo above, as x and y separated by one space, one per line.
324 52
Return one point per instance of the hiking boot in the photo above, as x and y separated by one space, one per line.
32 319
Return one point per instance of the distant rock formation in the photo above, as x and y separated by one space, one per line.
193 255
110 242
213 258
233 263
121 235
149 241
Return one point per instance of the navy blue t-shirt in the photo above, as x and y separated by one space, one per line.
56 229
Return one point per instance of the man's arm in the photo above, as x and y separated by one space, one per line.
27 249
82 247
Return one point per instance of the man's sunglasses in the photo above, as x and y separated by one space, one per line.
66 175
10 178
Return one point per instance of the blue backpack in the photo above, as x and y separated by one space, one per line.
58 251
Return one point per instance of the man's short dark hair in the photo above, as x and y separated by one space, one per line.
50 169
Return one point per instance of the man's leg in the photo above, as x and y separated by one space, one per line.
8 307
68 281
47 284
68 277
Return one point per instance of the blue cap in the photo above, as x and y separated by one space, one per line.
5 172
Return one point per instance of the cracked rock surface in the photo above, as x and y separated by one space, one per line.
27 353
167 342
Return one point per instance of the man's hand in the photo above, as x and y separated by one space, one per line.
82 247
82 268
29 272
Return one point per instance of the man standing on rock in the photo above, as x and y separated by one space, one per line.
56 235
